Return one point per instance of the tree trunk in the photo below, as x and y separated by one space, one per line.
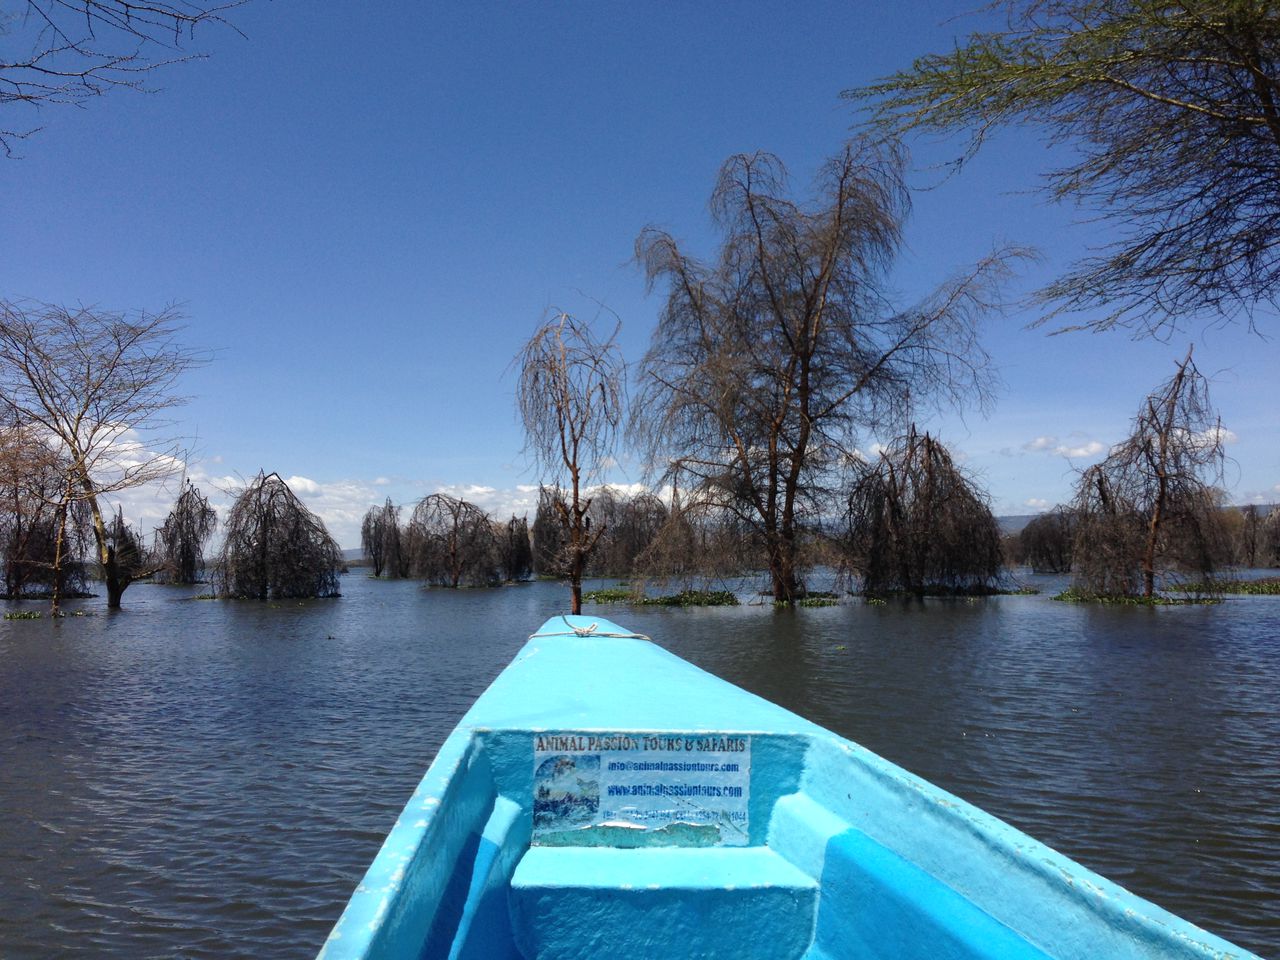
57 560
115 582
106 553
782 569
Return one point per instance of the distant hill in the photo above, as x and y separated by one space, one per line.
1012 525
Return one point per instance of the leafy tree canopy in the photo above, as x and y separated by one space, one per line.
1171 109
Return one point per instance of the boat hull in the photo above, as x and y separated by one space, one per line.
605 797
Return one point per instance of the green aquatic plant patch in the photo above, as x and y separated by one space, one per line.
1072 595
685 598
1262 587
694 598
23 615
619 594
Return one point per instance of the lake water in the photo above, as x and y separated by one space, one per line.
210 779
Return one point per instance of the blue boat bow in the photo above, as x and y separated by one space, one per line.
605 798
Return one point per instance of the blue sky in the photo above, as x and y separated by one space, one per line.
365 210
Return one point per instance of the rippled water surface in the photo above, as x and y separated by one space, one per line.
210 779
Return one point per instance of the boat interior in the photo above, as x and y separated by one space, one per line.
808 884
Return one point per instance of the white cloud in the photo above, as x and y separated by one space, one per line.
871 453
303 486
1090 449
1076 448
498 503
1037 504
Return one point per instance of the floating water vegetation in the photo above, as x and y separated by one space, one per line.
23 615
1071 595
685 598
1262 587
816 598
619 594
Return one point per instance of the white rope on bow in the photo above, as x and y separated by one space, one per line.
590 630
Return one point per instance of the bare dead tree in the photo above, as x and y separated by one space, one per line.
1109 536
33 514
401 566
1248 535
453 542
128 554
180 541
629 523
1045 543
698 545
570 399
275 548
549 538
70 51
380 539
97 385
1269 539
515 549
1150 507
766 364
917 524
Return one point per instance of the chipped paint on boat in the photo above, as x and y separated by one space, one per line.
846 854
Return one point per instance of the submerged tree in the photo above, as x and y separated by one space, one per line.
1171 109
97 385
380 539
630 523
917 524
453 542
515 549
698 545
1269 540
1045 543
1150 507
180 541
765 364
127 553
42 535
1248 535
570 399
275 548
548 534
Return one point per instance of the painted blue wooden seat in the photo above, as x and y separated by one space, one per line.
737 903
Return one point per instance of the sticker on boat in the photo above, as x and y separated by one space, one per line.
641 789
